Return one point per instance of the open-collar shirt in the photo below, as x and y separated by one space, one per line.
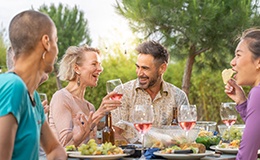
165 100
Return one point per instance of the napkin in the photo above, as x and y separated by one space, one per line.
149 154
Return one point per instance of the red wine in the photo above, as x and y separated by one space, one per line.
143 127
229 122
117 96
188 125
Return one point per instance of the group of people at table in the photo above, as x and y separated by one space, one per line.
73 120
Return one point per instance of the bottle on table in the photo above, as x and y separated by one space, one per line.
174 116
108 133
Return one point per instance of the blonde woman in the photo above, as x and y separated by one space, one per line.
72 118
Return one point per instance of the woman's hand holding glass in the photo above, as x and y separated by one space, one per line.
115 85
111 85
107 105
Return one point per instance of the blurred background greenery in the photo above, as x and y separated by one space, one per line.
199 34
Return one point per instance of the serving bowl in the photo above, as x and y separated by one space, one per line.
207 125
165 136
235 132
222 127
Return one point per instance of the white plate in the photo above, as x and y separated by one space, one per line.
70 152
228 150
78 155
225 150
184 156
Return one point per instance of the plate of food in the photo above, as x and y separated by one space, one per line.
92 150
79 155
184 151
231 147
188 156
228 148
71 152
225 150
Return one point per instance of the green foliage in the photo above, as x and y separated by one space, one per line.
189 28
174 73
2 51
192 27
71 25
186 25
207 90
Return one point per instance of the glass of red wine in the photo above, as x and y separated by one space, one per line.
187 117
143 119
228 115
117 86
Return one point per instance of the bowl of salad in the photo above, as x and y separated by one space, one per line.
235 133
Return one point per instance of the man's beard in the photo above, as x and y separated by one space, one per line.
150 83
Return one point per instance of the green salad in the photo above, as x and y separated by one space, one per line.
207 138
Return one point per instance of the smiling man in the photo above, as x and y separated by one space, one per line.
149 88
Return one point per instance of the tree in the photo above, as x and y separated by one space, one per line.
72 28
2 51
190 28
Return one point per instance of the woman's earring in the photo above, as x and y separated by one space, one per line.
43 55
78 80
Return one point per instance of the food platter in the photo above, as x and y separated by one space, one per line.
71 152
109 157
225 150
191 156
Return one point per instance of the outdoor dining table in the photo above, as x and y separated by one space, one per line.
221 157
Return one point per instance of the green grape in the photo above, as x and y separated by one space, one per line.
107 147
89 148
234 134
70 148
92 148
86 152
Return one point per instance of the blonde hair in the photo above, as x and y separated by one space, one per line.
73 55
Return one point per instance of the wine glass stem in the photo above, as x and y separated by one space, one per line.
119 108
142 151
187 134
229 133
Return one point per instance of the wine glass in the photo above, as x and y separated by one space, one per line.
43 97
111 85
143 118
115 85
228 115
187 117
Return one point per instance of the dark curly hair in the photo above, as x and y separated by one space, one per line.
155 49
